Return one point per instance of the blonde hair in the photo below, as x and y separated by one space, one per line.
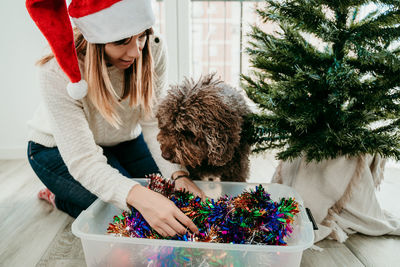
138 79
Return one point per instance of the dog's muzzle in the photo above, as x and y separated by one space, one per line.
166 155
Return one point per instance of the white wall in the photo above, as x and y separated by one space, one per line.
21 45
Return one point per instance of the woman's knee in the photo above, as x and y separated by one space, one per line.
52 171
46 163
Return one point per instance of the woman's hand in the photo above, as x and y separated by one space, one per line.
160 212
185 183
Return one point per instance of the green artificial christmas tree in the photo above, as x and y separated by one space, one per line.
338 99
327 87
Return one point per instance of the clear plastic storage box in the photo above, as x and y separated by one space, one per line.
102 249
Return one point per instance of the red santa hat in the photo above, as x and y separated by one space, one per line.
102 21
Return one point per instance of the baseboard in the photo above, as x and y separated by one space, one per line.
12 153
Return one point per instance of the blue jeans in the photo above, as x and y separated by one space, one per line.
131 158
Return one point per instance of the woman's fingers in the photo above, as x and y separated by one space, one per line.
203 196
168 229
160 231
194 191
183 219
197 192
171 228
177 226
188 185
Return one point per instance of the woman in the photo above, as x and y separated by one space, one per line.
87 140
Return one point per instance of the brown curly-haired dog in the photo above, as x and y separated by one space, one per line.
200 128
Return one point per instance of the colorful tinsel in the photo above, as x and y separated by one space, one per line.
249 218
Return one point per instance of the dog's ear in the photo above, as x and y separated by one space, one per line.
222 134
168 107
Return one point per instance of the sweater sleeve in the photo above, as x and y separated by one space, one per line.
150 125
75 141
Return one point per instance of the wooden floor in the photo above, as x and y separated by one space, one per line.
33 234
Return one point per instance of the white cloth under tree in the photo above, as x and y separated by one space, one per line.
341 194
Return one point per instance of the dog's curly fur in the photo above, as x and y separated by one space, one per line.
200 128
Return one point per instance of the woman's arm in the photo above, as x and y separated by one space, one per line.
75 141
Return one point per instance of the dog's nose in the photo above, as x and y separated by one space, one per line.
166 155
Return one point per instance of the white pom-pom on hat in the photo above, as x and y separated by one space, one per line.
77 90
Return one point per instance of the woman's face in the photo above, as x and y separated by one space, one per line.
123 53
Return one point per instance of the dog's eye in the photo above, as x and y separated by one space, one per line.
187 134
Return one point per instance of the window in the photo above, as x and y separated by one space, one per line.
158 7
207 36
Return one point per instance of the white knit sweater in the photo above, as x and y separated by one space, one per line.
78 129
